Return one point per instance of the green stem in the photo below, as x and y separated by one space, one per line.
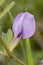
11 15
3 43
9 53
29 53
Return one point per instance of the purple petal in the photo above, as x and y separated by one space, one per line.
17 25
29 25
24 22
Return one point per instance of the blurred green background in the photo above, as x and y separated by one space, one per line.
35 7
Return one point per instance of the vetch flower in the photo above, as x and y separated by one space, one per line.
23 27
24 24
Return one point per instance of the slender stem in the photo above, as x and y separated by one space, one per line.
9 53
3 43
4 54
20 62
11 15
29 53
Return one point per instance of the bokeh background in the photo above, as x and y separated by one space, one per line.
35 7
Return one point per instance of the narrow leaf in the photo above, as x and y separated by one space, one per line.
1 2
7 9
9 37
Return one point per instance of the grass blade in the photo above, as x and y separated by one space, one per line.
1 2
7 9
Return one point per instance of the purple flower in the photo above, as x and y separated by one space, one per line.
24 25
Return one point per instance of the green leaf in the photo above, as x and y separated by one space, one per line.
9 37
7 9
1 2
